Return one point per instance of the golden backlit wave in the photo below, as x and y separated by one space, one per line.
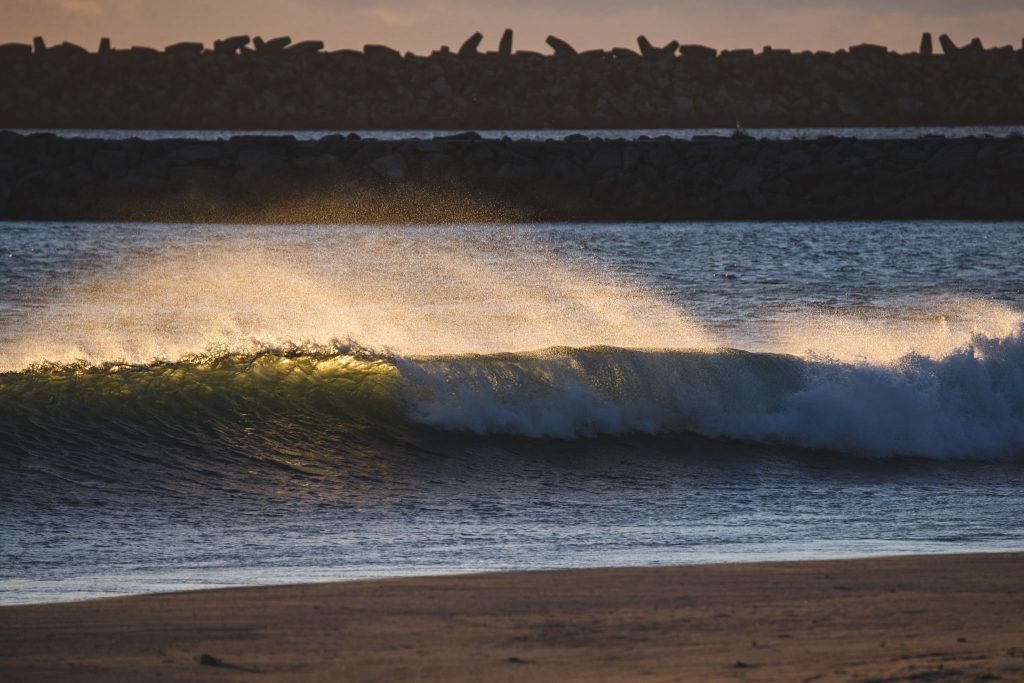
409 290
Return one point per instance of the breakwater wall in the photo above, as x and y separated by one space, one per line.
464 178
275 84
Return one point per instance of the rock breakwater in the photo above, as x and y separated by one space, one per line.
336 178
277 84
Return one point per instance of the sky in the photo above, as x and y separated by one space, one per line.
423 25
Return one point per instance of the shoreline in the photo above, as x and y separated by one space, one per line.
924 617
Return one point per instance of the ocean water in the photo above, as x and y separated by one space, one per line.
187 406
864 133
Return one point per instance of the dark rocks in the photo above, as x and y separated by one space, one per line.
697 52
381 52
561 48
646 49
868 50
505 46
10 52
66 50
39 45
579 178
470 46
184 49
926 44
652 52
303 87
230 46
305 47
272 45
104 47
948 46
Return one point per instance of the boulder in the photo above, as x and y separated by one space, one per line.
697 52
39 45
975 46
381 52
305 47
948 46
623 53
104 47
868 50
926 44
469 47
561 48
649 50
10 52
184 48
505 46
67 49
230 46
646 49
272 45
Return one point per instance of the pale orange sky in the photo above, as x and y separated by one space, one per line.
423 25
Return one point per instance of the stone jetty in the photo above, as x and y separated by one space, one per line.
241 82
463 177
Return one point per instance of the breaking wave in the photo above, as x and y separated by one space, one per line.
966 404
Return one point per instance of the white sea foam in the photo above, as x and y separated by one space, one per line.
967 404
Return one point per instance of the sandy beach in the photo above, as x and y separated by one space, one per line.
951 617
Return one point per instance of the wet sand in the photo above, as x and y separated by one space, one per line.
948 618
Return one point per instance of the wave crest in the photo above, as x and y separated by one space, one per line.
967 404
